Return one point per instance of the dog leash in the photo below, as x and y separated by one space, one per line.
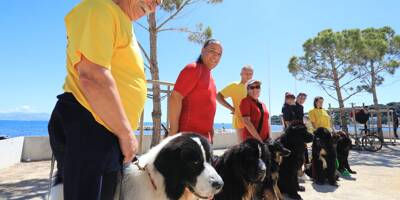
148 173
51 175
165 130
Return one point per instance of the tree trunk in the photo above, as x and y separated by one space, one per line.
375 99
343 121
156 114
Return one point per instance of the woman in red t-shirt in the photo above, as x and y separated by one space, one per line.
192 103
255 114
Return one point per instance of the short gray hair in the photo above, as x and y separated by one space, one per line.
247 67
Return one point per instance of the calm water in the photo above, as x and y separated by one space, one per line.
12 128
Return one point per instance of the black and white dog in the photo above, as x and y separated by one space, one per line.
176 169
242 168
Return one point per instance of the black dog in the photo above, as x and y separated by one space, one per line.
343 146
269 190
242 168
323 158
293 139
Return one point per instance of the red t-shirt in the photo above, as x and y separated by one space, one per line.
250 108
196 84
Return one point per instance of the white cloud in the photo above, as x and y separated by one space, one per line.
21 109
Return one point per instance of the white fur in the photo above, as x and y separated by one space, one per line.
205 179
197 140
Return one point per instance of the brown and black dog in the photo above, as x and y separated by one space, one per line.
269 189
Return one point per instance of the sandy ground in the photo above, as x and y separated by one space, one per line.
377 178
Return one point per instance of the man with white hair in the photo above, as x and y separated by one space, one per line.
236 91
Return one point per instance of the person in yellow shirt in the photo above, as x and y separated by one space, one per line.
91 126
237 92
319 117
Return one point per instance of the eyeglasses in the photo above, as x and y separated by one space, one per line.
254 87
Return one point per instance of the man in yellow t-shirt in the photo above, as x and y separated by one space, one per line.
237 92
91 126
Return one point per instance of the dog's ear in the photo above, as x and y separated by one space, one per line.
283 139
164 159
167 163
308 137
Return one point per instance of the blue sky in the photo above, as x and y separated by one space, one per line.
263 33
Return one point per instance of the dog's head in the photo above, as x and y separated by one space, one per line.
184 162
323 138
277 151
296 135
342 140
249 160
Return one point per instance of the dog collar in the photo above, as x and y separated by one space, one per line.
195 193
148 173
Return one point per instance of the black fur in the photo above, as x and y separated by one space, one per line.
323 140
343 146
180 162
241 167
277 151
293 139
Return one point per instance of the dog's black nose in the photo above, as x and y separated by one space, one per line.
217 184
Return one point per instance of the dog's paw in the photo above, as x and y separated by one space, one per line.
334 184
301 188
352 172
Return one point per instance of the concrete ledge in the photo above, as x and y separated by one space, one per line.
36 148
10 151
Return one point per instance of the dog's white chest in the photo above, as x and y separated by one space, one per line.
136 184
323 153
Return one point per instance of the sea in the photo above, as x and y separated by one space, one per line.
14 128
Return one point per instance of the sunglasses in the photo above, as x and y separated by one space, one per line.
254 87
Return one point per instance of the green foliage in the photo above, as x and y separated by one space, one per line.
356 55
329 58
201 34
171 5
380 55
175 7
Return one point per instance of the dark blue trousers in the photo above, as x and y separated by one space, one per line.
88 155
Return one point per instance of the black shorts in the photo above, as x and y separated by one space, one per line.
86 152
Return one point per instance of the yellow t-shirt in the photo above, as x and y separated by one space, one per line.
237 92
320 118
103 33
